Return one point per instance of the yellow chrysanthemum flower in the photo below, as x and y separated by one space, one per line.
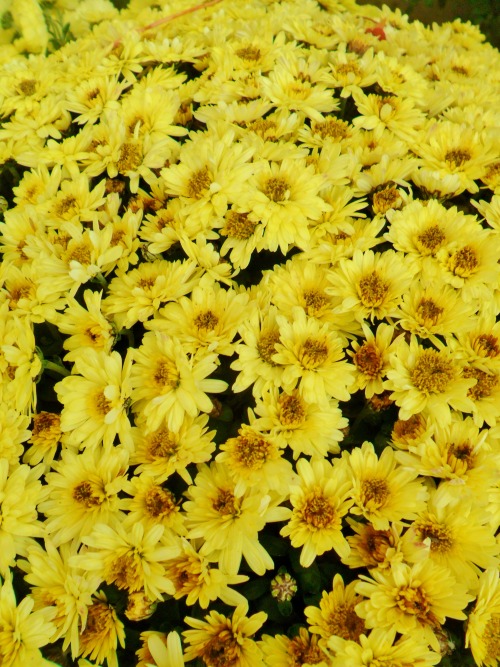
22 630
95 399
382 490
219 639
427 380
371 284
381 648
199 581
371 358
319 500
102 633
313 358
167 385
374 548
483 624
448 532
132 558
413 600
20 493
229 525
302 649
83 490
336 614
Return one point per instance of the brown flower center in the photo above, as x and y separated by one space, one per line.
130 158
315 301
276 188
101 403
318 512
372 290
332 128
266 347
485 384
414 601
251 449
238 226
85 494
368 360
162 444
430 240
374 493
386 199
226 504
432 373
457 158
464 262
250 52
206 320
291 410
199 183
441 539
487 345
428 312
305 651
166 375
159 502
313 353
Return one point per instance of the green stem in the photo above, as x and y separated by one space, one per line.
51 366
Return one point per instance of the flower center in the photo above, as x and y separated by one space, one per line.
315 301
432 373
101 403
221 651
414 601
98 628
67 204
249 53
80 253
199 183
206 320
276 188
332 128
264 127
344 622
266 347
313 353
85 494
162 444
304 652
374 493
159 502
486 345
238 226
430 240
368 360
408 429
252 450
441 539
344 69
226 504
372 290
485 384
27 87
166 375
46 427
457 158
318 512
461 457
376 544
386 199
130 158
428 312
464 262
491 638
291 410
124 570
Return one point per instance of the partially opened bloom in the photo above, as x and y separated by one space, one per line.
102 633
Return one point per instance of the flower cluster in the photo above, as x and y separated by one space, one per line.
249 336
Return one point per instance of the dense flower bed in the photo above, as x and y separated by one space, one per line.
249 336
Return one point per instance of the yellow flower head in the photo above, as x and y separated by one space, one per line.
219 640
483 625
